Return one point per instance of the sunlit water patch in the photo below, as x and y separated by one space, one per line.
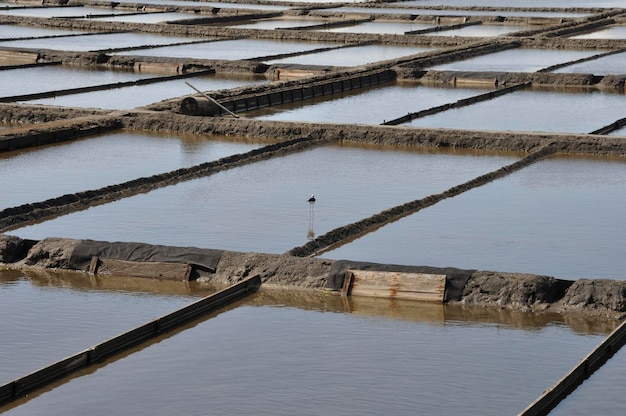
34 175
65 11
142 95
353 56
448 12
18 31
287 360
263 206
209 5
376 105
148 17
516 60
393 28
231 49
482 30
611 32
97 42
560 217
518 3
534 110
611 64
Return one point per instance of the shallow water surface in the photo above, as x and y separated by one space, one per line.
34 175
539 110
353 56
611 64
516 60
231 49
376 104
611 32
49 316
390 28
64 11
560 217
447 12
95 42
142 95
263 206
290 360
18 31
482 30
518 3
57 77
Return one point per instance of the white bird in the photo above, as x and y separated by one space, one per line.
312 198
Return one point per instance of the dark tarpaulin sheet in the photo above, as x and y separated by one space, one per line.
455 278
86 249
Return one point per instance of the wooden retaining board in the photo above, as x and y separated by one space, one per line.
151 269
395 285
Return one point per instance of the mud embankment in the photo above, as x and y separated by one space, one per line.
514 291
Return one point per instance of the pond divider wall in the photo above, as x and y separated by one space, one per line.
31 382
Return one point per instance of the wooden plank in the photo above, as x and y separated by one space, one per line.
414 286
148 269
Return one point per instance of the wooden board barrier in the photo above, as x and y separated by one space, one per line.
396 285
149 269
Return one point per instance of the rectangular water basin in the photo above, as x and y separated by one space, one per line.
353 56
142 95
50 316
96 42
602 393
278 23
483 30
62 11
611 64
376 104
518 3
516 60
209 5
58 77
610 32
148 17
231 49
304 360
51 171
18 31
389 28
540 110
263 206
448 12
560 217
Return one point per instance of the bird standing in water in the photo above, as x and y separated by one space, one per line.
312 198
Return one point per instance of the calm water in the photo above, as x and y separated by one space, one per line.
611 32
384 102
607 383
315 361
97 42
534 110
231 49
58 11
263 207
518 3
516 60
483 31
142 95
417 11
15 31
561 217
58 77
394 28
148 17
353 56
31 176
278 23
612 64
212 4
48 316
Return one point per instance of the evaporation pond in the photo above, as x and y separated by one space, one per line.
58 77
142 95
353 56
53 316
231 49
307 361
263 206
534 110
601 394
516 60
483 30
448 12
276 23
562 217
33 175
148 17
211 5
95 42
375 105
57 11
611 64
15 31
396 28
610 32
565 4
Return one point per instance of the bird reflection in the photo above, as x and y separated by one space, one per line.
311 234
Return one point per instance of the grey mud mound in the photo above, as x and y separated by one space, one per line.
523 292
